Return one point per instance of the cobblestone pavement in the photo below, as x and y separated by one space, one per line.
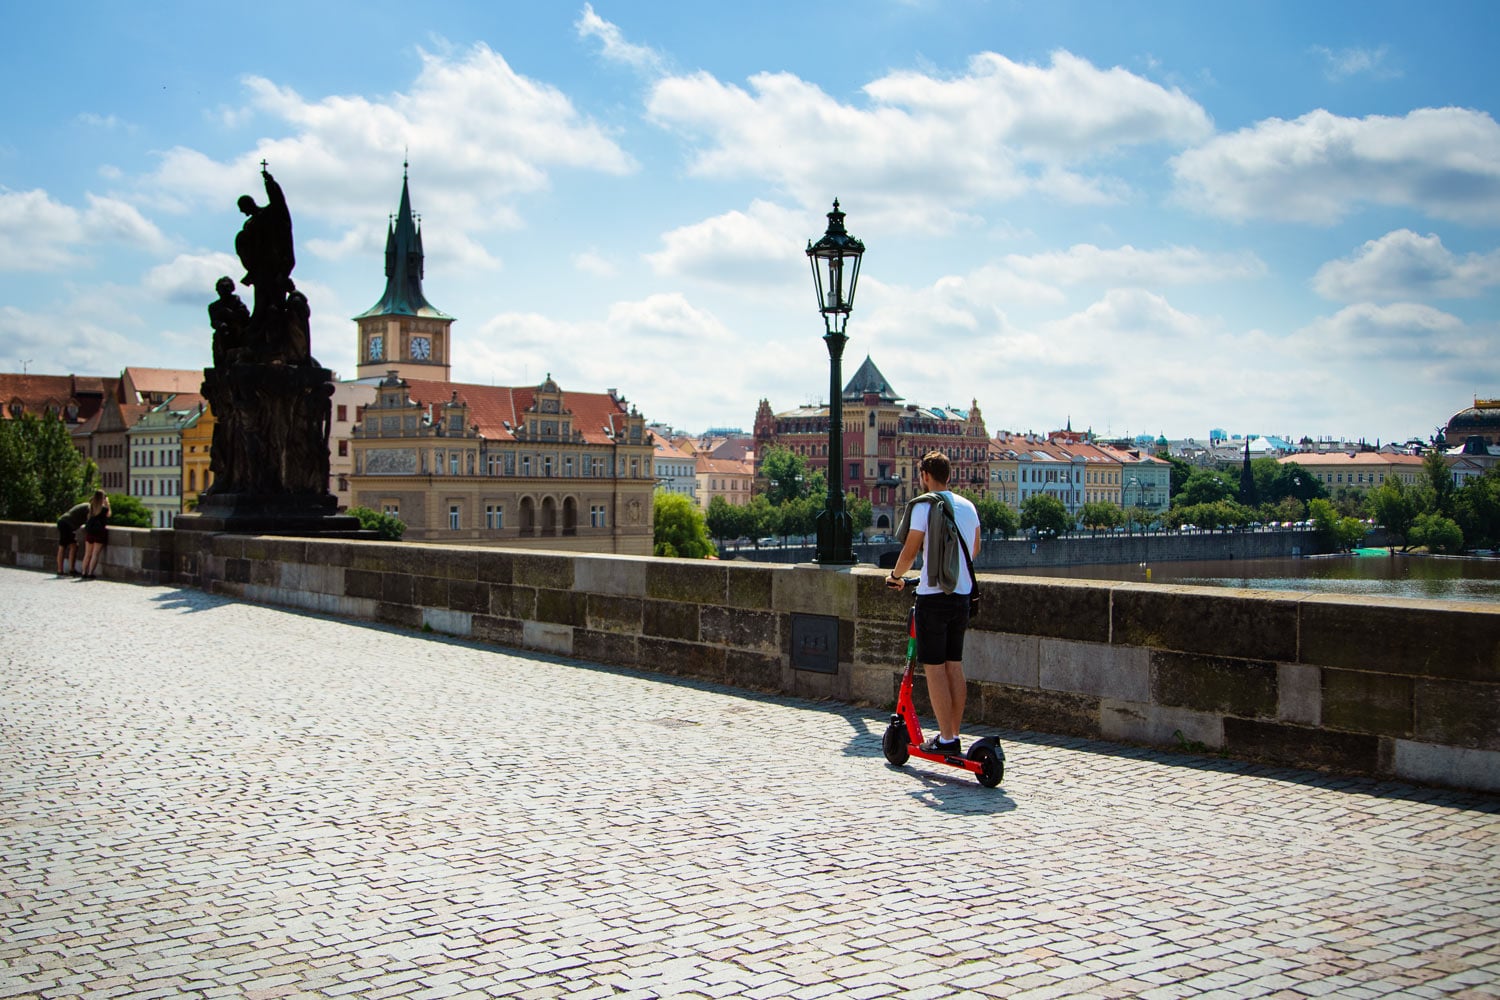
206 798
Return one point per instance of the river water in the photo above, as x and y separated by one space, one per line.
1368 573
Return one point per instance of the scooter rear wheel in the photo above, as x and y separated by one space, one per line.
991 761
896 743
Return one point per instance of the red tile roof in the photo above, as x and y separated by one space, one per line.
492 407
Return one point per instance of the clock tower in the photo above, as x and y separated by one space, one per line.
403 332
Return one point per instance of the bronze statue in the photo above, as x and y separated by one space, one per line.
231 322
264 245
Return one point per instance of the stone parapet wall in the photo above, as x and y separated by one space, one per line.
1389 688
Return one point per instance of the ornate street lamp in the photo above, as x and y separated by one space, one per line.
835 266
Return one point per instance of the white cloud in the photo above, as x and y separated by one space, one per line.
62 342
40 234
1406 332
1320 167
188 279
614 47
1404 266
926 151
1084 263
738 250
500 134
592 263
1345 63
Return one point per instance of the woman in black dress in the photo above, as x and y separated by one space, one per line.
95 534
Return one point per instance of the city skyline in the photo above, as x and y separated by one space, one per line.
1141 219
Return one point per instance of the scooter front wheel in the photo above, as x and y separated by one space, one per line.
991 761
896 743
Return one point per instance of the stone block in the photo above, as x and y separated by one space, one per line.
494 566
875 601
616 576
469 596
1367 703
562 607
512 602
550 572
614 614
236 570
326 552
1416 638
739 628
815 686
363 583
430 591
683 659
547 637
1454 767
1158 725
871 684
447 622
1002 658
404 615
397 588
1037 711
1251 625
1458 713
1061 609
502 631
607 647
263 572
1299 693
1304 746
753 671
690 581
751 585
880 642
1119 672
1245 688
272 549
670 620
812 590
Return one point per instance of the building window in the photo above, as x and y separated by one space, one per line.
494 516
392 509
525 465
343 449
453 459
596 516
343 413
453 517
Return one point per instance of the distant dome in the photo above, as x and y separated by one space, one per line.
1480 420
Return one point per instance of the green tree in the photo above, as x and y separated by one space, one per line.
1179 475
861 512
388 527
1439 475
1395 507
786 475
1204 486
41 473
724 519
1440 534
125 511
1477 510
1045 514
995 517
1342 532
1098 514
679 528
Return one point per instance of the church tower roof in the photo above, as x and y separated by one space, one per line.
869 380
403 267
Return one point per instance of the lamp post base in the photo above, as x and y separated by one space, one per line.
835 538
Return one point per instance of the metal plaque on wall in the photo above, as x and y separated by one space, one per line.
815 643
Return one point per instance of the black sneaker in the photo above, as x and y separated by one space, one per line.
952 748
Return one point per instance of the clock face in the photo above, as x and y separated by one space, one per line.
377 347
421 348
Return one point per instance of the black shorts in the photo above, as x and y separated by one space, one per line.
941 622
66 535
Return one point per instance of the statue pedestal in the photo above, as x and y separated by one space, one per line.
266 514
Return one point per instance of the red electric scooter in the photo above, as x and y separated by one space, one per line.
903 737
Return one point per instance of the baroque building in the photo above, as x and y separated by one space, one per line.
884 439
512 466
528 466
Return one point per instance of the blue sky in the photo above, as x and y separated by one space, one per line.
1267 217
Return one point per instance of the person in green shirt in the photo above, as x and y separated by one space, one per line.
67 536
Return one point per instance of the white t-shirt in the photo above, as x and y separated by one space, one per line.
968 526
